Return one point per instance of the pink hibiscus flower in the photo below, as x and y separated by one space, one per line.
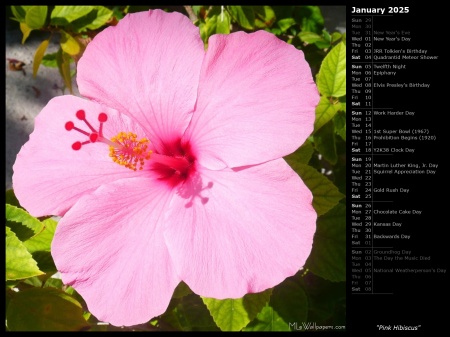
172 170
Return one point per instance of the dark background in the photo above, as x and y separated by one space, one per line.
416 299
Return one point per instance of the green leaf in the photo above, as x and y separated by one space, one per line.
331 80
34 281
53 283
325 111
265 16
36 16
22 232
267 320
63 61
49 60
216 21
25 31
302 155
285 24
175 316
310 37
326 299
45 309
325 42
69 44
21 216
335 36
189 313
119 12
72 292
223 23
290 301
234 314
40 51
275 30
282 12
340 124
207 29
63 15
45 261
310 18
103 14
19 262
43 240
327 258
244 16
20 12
326 194
321 41
325 144
181 290
95 19
288 305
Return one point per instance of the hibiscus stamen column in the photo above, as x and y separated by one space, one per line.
126 149
179 163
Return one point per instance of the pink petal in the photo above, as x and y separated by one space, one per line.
256 101
148 67
234 232
110 248
49 176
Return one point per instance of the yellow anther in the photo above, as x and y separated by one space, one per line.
129 151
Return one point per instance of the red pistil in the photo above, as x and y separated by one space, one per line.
94 135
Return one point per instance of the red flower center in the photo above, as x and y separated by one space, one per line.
174 164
